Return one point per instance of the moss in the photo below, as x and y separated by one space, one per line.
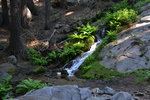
97 71
11 71
39 70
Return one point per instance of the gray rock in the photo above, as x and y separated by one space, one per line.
7 67
93 98
67 92
97 91
122 96
85 93
109 90
12 59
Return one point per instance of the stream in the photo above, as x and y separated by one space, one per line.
77 62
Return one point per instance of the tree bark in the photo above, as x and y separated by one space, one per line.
5 15
15 45
31 6
24 21
47 14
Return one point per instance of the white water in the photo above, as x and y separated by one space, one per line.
76 63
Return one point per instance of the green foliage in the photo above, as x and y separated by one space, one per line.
111 36
97 71
69 53
84 32
120 6
142 75
120 18
36 58
29 84
78 42
39 70
141 3
5 87
52 56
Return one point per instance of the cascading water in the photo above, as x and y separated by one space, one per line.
76 63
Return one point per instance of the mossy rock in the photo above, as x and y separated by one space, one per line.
97 71
39 70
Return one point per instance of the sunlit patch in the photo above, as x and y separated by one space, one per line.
3 40
69 13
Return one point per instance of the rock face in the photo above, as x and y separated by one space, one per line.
131 51
71 92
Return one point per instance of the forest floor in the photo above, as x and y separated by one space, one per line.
36 34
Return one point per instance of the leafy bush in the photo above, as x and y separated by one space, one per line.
29 84
120 18
52 56
36 58
5 87
69 53
84 32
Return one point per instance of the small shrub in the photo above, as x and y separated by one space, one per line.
52 56
36 58
29 84
5 88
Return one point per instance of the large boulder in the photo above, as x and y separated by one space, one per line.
67 92
131 50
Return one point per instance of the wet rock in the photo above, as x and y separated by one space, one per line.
109 90
12 59
122 96
93 98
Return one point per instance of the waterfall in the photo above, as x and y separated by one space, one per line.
76 63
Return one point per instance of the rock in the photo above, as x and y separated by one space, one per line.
12 59
67 92
97 91
139 94
145 7
3 75
93 98
58 26
109 90
7 67
129 51
122 96
85 93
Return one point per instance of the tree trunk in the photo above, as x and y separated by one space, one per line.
24 21
15 45
31 6
5 15
47 14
